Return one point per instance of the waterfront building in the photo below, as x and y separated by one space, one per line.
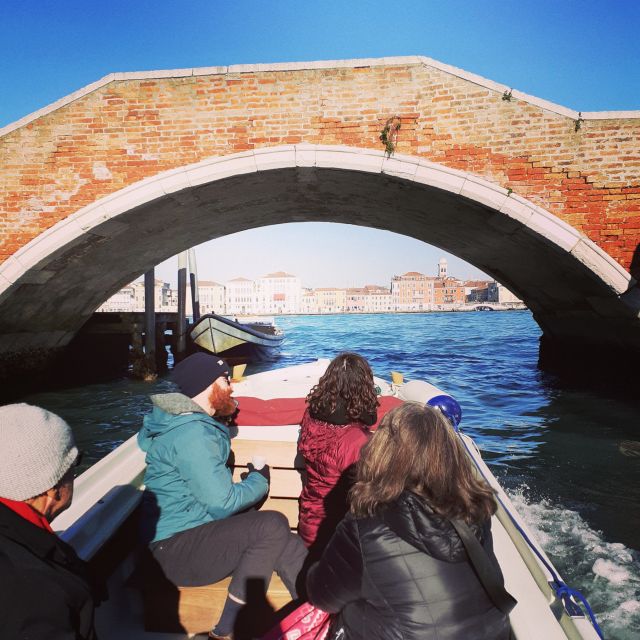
131 298
330 300
239 297
278 293
138 294
412 291
499 293
281 293
448 291
212 297
476 290
356 300
378 299
121 301
308 302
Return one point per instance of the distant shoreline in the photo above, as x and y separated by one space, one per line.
370 313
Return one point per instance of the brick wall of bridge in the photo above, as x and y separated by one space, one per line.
131 129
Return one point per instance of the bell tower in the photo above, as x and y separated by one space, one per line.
442 268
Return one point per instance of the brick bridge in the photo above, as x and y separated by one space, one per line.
102 185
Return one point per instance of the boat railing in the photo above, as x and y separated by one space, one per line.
104 496
574 624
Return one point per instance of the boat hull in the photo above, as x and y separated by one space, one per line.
236 342
107 494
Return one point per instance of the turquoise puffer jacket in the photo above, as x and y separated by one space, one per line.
187 480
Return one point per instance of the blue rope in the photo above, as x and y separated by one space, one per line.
562 590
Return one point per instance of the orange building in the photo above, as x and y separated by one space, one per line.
448 291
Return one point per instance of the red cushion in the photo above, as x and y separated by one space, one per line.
277 411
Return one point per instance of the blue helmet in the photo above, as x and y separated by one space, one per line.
449 408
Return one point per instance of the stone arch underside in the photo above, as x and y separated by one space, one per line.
579 296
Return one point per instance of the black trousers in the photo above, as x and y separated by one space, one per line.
245 546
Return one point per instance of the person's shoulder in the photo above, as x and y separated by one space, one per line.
7 562
359 431
17 558
345 447
354 436
309 421
199 425
361 529
349 526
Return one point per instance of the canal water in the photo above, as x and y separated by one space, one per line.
570 459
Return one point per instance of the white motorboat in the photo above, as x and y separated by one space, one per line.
106 497
240 340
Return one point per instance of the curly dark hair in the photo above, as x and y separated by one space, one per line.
348 378
415 449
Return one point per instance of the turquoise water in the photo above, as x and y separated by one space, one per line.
559 453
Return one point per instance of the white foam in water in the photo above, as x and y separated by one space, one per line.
611 571
607 574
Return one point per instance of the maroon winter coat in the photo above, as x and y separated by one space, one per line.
330 452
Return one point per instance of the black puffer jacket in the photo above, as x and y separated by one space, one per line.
44 586
404 575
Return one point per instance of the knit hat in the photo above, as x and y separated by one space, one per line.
195 373
36 450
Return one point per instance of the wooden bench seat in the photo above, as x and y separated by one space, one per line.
197 609
168 608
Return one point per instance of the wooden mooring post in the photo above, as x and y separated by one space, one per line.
144 360
181 339
193 284
150 325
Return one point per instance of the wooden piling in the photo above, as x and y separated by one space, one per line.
149 325
181 342
193 281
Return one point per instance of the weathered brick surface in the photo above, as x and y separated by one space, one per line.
132 129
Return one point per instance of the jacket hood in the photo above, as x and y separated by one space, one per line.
175 403
413 520
170 411
339 415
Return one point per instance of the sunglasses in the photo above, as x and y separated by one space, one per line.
74 469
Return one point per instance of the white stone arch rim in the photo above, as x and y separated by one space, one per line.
412 169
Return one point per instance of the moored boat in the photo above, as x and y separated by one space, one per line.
249 340
107 495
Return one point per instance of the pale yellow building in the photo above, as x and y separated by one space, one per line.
330 300
212 297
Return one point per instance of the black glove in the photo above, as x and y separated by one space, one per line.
264 472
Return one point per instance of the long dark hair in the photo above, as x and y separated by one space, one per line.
415 449
349 379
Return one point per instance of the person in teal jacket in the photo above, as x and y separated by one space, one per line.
195 518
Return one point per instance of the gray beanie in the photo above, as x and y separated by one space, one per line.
36 450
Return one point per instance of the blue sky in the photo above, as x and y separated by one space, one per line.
581 54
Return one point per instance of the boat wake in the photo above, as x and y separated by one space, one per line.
607 573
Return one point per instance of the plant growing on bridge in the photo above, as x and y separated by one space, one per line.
389 134
578 122
507 95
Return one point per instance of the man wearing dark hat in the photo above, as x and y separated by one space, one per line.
44 587
190 494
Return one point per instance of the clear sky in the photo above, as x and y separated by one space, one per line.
583 54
